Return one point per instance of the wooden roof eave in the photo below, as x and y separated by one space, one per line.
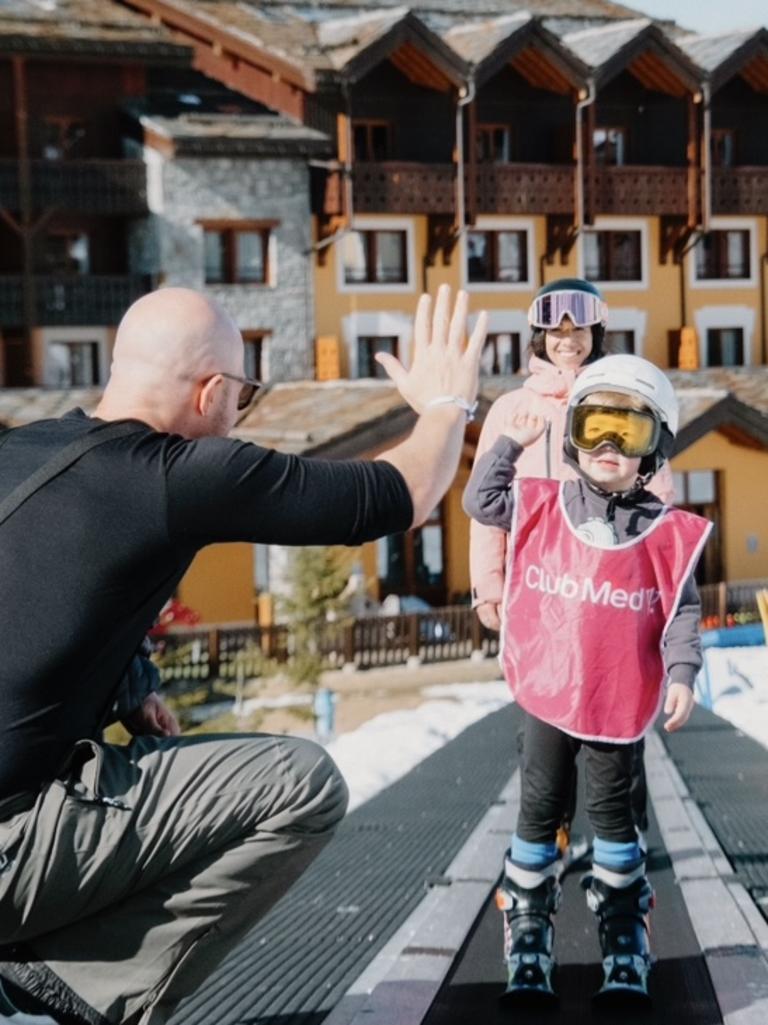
164 53
729 413
651 38
533 35
367 437
203 29
756 46
410 29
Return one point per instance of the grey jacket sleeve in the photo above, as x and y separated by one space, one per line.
682 645
141 679
489 496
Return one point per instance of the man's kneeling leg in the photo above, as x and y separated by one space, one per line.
206 835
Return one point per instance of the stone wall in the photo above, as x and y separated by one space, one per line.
169 244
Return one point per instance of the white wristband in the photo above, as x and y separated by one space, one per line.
456 400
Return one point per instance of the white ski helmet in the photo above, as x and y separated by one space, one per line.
631 375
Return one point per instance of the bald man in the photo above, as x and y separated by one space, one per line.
127 873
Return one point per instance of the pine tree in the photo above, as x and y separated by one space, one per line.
316 578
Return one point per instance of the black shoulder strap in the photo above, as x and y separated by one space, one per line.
62 460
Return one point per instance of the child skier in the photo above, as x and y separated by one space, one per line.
599 608
568 319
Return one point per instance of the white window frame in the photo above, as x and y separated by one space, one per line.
722 317
386 323
380 224
525 224
726 224
63 335
627 318
508 322
619 224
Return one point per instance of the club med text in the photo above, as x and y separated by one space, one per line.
643 600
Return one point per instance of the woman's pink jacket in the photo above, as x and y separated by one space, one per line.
544 392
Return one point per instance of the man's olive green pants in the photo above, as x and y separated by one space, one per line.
135 873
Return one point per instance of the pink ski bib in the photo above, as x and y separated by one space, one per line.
583 625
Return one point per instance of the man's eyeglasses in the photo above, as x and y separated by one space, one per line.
248 389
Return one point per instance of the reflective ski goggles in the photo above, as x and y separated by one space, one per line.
633 433
583 308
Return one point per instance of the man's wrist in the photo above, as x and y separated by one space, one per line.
453 401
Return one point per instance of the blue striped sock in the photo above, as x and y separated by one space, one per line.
616 856
532 855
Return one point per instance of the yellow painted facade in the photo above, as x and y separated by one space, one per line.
743 497
651 308
219 584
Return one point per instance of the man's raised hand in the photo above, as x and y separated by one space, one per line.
441 362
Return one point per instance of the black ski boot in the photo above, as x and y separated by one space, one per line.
528 937
623 928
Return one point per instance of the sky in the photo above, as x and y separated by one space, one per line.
707 15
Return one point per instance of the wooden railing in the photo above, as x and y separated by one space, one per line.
524 188
729 603
641 190
226 652
404 187
74 298
740 190
86 186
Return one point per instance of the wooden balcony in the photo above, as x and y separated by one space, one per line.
95 299
740 190
400 187
641 190
524 188
404 188
116 187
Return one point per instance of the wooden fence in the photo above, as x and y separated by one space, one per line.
227 652
440 635
729 603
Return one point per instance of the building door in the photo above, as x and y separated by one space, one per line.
698 491
413 563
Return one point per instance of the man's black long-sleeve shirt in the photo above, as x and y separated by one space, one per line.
89 560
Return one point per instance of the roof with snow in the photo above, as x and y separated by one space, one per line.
724 55
346 418
84 27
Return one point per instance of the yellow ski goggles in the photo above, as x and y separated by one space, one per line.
633 433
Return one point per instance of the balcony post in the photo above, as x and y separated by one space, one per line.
692 154
471 213
589 142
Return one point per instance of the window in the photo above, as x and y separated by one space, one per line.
617 342
74 364
497 256
722 147
610 146
698 491
492 144
613 256
236 254
725 347
66 252
367 346
413 563
722 255
375 257
371 140
255 355
501 355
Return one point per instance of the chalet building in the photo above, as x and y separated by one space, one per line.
122 169
479 145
